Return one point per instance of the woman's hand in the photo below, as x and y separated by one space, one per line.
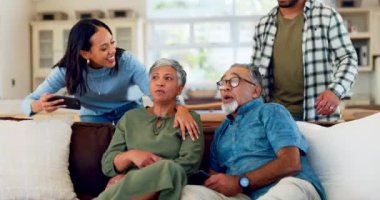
185 121
43 104
139 158
143 158
225 184
114 180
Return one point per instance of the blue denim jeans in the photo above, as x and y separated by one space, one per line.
111 117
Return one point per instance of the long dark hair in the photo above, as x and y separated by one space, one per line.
75 64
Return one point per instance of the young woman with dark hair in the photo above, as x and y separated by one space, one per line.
99 74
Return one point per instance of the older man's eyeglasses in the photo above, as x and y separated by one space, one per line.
233 82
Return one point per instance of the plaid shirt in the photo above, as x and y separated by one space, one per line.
329 58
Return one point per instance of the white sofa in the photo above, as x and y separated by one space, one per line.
346 157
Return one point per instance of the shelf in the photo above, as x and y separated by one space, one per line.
195 101
360 35
352 10
364 68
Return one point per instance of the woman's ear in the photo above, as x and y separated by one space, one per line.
84 54
179 90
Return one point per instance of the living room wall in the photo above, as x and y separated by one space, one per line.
15 67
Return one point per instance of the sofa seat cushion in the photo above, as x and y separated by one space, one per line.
346 157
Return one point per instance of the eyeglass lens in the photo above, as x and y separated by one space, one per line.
234 82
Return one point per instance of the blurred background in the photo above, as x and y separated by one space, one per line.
206 36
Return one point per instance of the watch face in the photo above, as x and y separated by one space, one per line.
244 182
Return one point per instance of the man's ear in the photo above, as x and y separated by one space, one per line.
256 92
84 54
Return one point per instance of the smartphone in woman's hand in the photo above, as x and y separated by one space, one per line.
69 102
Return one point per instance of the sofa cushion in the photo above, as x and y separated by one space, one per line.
346 157
88 143
34 159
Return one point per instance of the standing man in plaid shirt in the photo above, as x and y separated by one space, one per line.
306 58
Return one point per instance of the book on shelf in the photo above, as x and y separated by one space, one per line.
362 53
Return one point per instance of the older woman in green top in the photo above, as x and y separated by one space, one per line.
146 147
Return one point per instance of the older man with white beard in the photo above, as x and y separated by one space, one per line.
258 151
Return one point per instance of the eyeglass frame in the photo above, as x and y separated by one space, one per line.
219 85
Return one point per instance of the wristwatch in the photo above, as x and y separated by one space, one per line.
244 184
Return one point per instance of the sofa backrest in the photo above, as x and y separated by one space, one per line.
88 143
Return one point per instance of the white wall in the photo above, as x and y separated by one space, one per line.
1 53
15 48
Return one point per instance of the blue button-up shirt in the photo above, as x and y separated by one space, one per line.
252 140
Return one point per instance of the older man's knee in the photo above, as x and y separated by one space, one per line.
197 192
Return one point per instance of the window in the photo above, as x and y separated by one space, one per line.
205 36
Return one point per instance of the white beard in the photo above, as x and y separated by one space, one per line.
231 107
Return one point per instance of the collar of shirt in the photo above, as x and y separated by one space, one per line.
242 110
308 5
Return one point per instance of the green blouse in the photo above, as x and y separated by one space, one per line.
137 130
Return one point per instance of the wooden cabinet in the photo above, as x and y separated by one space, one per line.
375 26
364 27
358 24
49 40
129 35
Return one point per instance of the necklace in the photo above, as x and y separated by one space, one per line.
100 88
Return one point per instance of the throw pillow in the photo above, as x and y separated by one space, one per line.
34 159
345 157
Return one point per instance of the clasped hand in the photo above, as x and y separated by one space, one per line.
143 158
138 158
225 184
